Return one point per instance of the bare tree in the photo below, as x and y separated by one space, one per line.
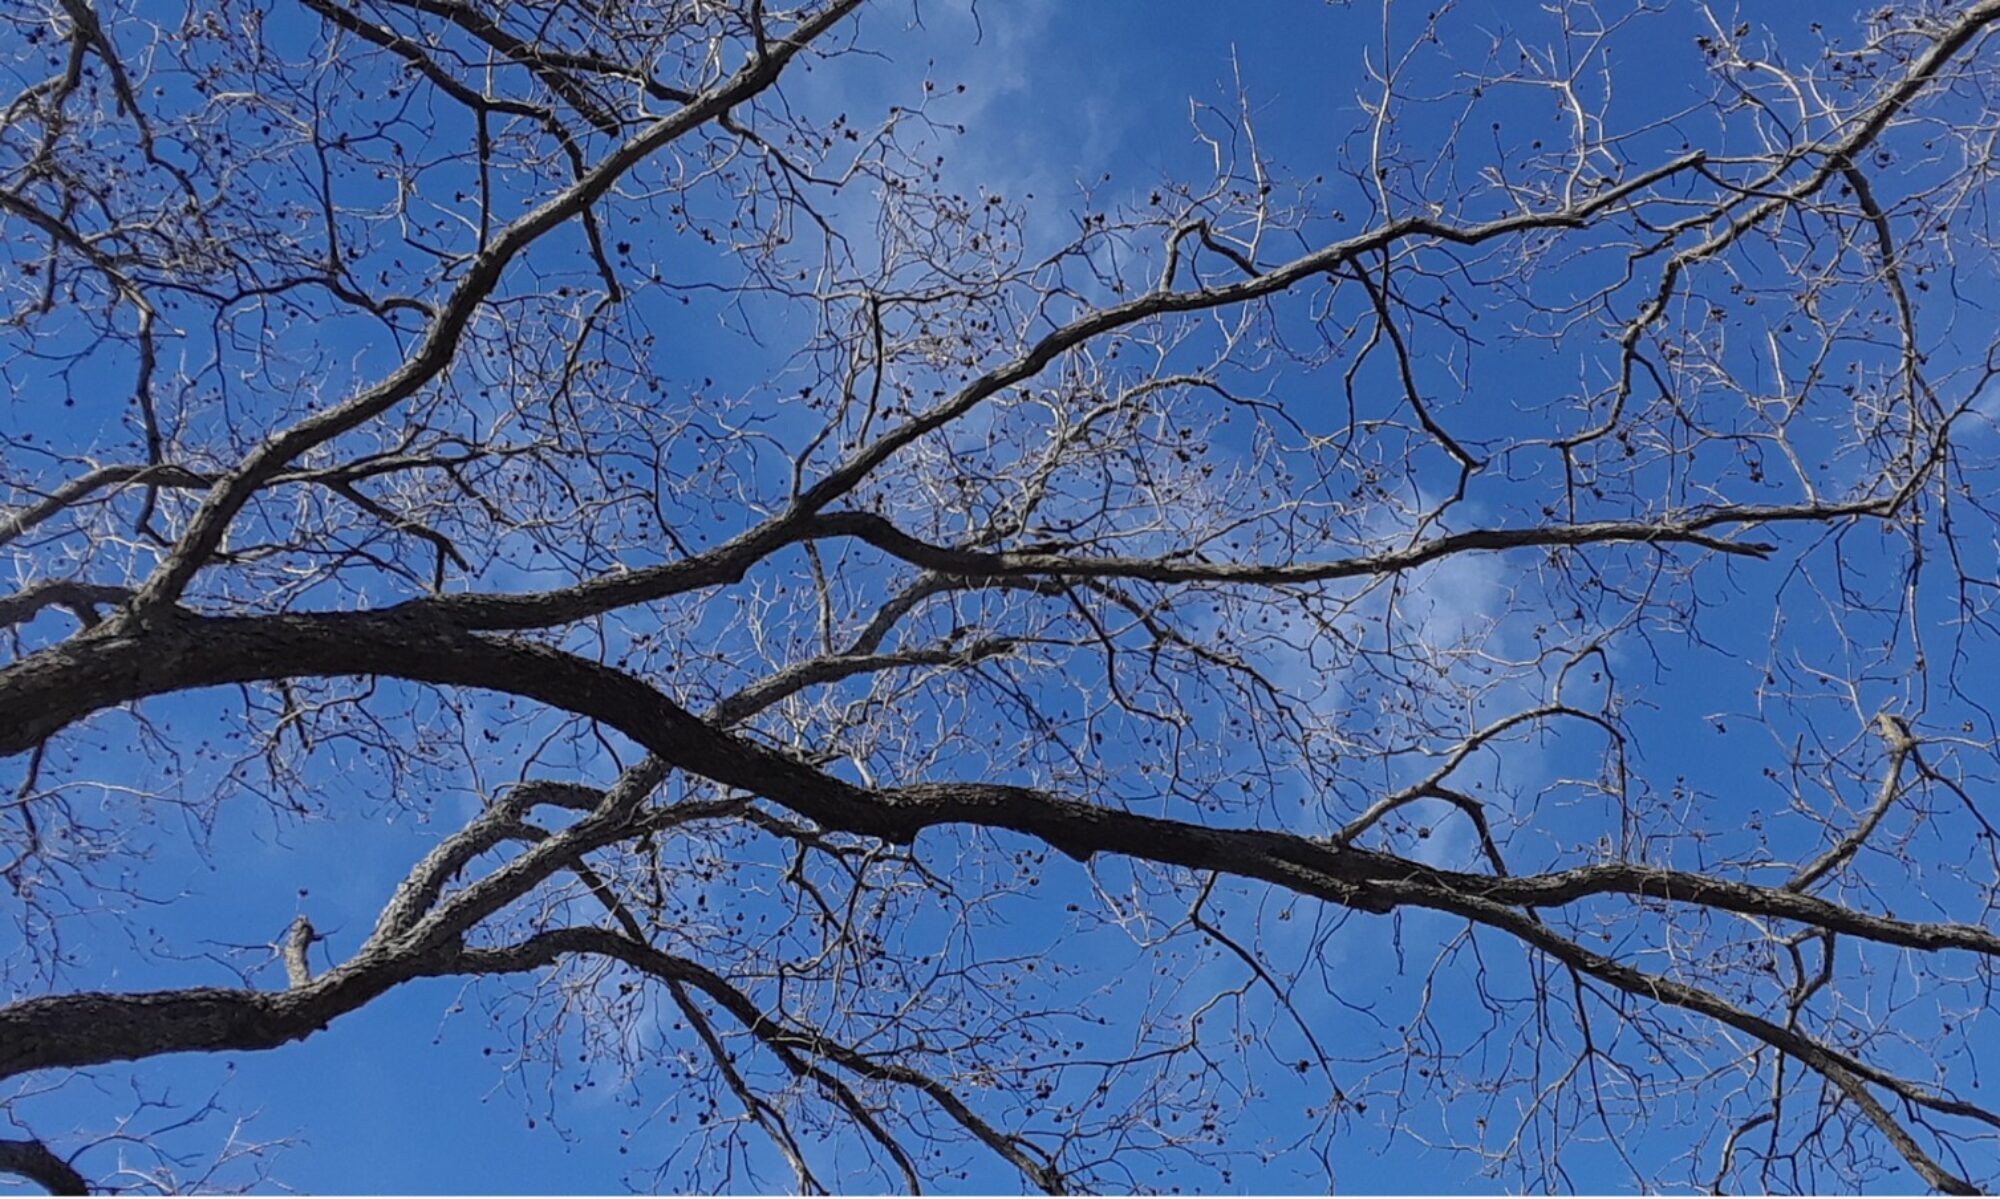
1482 645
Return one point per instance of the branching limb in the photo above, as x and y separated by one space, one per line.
38 1164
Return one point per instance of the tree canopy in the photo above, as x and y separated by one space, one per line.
1422 612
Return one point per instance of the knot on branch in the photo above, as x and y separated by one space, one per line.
298 940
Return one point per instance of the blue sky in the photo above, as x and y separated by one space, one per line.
421 1090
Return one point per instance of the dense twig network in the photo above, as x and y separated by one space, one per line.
814 566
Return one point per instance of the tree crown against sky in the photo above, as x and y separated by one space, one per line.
705 595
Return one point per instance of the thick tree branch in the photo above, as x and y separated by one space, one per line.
44 693
38 1164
